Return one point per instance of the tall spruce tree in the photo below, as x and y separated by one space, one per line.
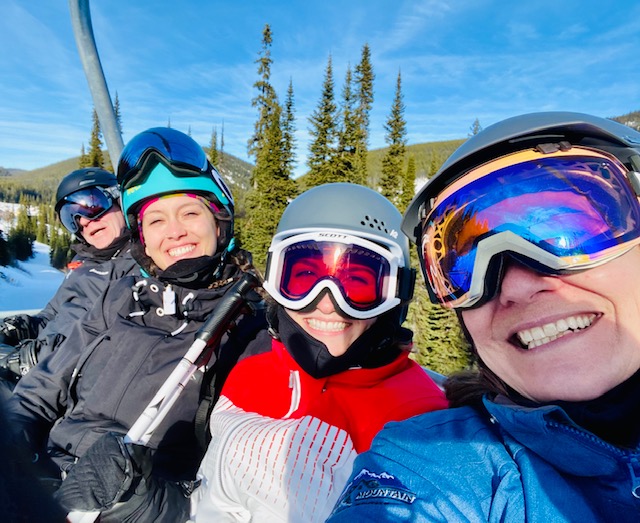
391 181
221 150
323 132
95 155
83 161
289 131
345 169
364 78
475 128
408 184
213 147
271 184
266 101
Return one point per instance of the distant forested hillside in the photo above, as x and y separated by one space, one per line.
40 184
631 119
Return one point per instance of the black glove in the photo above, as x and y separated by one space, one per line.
19 360
15 329
108 470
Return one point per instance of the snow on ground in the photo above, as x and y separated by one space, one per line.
31 284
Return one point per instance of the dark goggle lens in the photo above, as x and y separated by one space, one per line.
572 207
87 203
176 149
359 273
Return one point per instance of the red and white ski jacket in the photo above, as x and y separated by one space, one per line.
283 442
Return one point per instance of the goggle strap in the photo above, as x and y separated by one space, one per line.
406 283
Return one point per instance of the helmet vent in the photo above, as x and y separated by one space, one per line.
374 223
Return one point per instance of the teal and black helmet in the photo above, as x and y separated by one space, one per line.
162 161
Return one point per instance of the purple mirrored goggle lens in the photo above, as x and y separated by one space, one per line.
564 212
87 203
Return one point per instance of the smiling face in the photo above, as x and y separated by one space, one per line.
571 337
326 325
177 228
103 231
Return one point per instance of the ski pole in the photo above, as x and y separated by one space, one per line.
201 351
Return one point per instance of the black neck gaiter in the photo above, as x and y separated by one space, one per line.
377 346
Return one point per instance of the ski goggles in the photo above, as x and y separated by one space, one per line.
556 213
363 277
88 203
174 150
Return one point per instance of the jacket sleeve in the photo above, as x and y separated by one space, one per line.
40 397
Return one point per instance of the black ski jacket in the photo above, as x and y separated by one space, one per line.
113 362
80 289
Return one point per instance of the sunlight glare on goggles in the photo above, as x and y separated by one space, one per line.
87 203
361 275
569 210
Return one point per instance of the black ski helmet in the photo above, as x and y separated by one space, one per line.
522 132
86 178
83 179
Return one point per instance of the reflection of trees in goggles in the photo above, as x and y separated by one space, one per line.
87 203
359 273
571 211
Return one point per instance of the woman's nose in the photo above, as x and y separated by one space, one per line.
521 284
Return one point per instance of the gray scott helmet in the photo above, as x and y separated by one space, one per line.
344 238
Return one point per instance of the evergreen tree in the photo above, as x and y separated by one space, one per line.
364 78
475 128
41 230
221 152
213 147
5 255
272 187
60 254
323 132
393 160
95 156
289 132
265 101
439 342
83 161
408 184
22 236
345 169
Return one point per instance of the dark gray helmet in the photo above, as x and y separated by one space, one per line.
84 179
522 132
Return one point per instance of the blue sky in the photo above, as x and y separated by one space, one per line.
193 63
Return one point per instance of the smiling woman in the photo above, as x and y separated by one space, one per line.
531 232
180 214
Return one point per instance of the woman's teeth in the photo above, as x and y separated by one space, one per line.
537 336
329 326
181 251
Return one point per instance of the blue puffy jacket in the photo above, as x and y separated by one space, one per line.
505 464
